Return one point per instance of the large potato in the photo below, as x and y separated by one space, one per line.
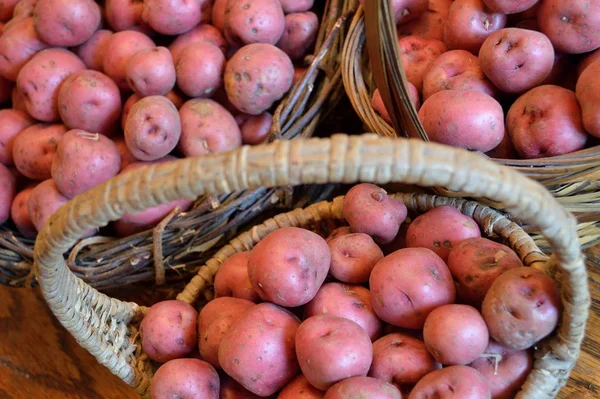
34 149
300 388
408 284
92 51
259 350
12 122
588 95
362 387
185 379
66 23
331 348
8 190
288 266
200 69
416 55
258 21
204 33
353 256
17 47
232 279
454 382
151 72
18 211
175 17
123 45
299 34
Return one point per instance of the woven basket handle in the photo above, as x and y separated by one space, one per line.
90 315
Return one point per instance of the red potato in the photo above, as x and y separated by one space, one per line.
368 209
454 382
123 46
337 232
352 302
92 51
546 121
571 26
207 127
153 128
379 106
84 160
515 60
405 10
218 14
259 21
299 73
440 229
168 331
430 25
66 23
504 369
291 6
8 190
588 95
416 55
44 200
300 388
6 9
177 98
201 34
127 157
232 279
588 60
256 128
17 46
185 379
124 15
174 17
259 350
521 307
408 284
299 35
257 76
475 263
362 387
215 319
18 212
34 149
134 98
12 122
200 69
401 359
353 256
331 348
510 6
456 70
18 102
288 266
91 101
151 72
504 150
231 389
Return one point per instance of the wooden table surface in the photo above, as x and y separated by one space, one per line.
39 359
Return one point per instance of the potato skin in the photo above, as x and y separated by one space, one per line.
408 284
18 210
416 55
6 9
200 69
588 95
17 46
362 387
122 15
510 6
185 379
546 121
174 17
12 122
261 343
92 51
521 307
8 186
123 45
430 25
66 23
299 34
331 348
231 280
256 129
203 33
288 266
257 21
231 389
353 256
379 106
300 388
127 157
34 149
291 6
256 76
464 382
151 72
44 200
475 263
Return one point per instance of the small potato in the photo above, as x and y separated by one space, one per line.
66 23
331 348
352 302
571 26
401 359
153 128
408 284
231 389
232 279
515 60
200 69
504 150
256 128
168 331
201 34
151 72
588 95
34 149
291 6
362 387
177 98
18 211
587 61
84 160
123 45
91 101
521 307
257 76
379 106
12 122
122 15
505 369
288 266
185 379
353 256
218 14
207 127
475 263
17 46
430 25
8 190
469 23
174 17
456 70
546 121
92 51
39 81
134 98
215 319
455 334
299 34
454 382
300 388
258 21
44 200
440 229
416 55
259 350
127 157
368 209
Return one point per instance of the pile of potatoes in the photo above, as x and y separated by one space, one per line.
512 79
380 308
90 90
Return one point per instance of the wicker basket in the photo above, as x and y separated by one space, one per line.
174 244
108 327
574 179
